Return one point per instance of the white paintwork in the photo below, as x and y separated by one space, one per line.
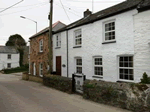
34 69
142 48
128 42
14 60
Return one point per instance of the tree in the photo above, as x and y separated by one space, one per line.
18 42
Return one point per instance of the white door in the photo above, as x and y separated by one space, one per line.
34 69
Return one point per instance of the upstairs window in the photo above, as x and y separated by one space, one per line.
79 65
78 37
109 31
41 45
58 41
9 56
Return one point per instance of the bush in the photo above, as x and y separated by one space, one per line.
15 70
61 83
145 79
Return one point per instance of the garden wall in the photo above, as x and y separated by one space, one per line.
135 97
61 83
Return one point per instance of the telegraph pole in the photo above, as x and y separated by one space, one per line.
50 55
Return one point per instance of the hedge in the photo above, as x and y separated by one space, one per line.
60 83
15 70
135 97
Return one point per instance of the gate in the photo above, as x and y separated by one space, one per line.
78 81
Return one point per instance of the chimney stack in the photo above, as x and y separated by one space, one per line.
87 12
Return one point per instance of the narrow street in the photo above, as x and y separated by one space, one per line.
17 95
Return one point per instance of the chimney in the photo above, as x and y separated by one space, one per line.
87 12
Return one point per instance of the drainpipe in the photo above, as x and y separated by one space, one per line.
67 55
29 57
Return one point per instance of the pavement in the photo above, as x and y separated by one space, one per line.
17 95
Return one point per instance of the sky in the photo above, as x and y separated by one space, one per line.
38 10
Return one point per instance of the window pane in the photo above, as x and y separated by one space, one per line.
79 69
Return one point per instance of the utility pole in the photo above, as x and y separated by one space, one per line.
50 54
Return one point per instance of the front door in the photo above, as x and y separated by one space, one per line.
58 65
34 69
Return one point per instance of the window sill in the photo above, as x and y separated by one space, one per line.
125 81
77 46
109 42
57 47
40 52
101 77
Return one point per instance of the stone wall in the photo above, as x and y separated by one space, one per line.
131 96
39 57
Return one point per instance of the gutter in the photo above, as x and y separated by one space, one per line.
67 54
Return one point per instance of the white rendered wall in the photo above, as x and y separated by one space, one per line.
14 61
92 39
142 48
62 51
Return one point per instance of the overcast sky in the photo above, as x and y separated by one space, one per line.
11 23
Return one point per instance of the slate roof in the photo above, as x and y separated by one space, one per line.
8 49
116 9
45 30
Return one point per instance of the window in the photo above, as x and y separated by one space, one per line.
126 68
41 45
8 65
9 56
58 41
78 37
109 31
98 66
41 69
78 65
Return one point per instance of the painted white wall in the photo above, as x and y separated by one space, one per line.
62 51
127 43
142 48
14 60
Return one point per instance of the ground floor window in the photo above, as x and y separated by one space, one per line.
79 65
8 65
126 71
98 66
41 69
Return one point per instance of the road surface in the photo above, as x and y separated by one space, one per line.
17 95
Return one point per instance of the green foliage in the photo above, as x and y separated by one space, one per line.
16 40
21 51
15 70
145 79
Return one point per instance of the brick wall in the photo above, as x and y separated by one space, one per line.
39 57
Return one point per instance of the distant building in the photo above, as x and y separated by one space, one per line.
9 57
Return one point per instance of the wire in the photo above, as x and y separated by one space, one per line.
68 10
11 6
94 1
22 10
65 11
27 5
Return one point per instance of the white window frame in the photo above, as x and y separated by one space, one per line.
125 68
8 66
100 76
104 31
58 41
41 45
41 69
78 65
9 56
77 33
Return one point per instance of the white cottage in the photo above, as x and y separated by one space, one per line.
9 57
111 45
